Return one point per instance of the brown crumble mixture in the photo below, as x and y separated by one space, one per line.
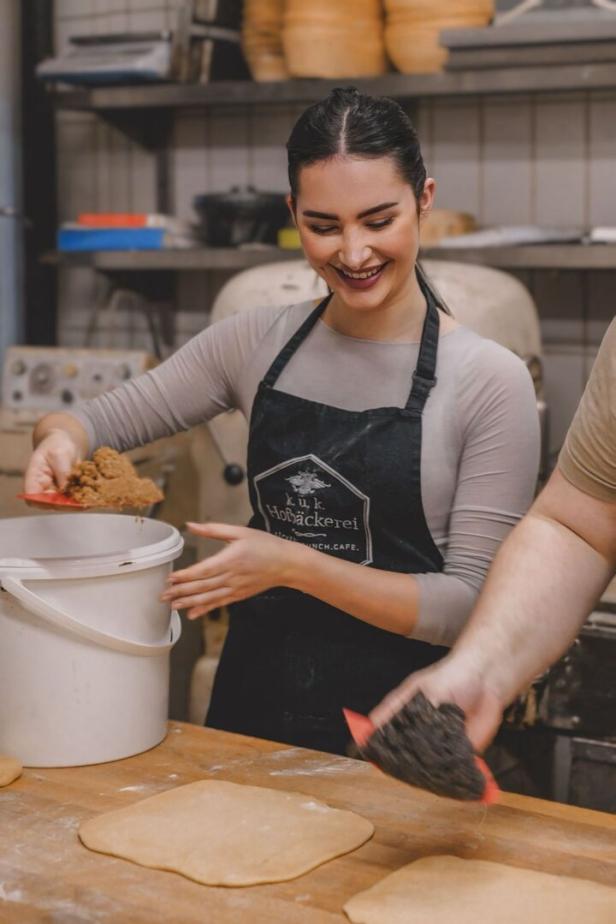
110 480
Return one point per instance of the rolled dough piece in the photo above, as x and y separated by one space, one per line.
221 833
445 889
10 769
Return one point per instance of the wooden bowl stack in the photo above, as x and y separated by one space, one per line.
262 39
442 223
412 29
334 38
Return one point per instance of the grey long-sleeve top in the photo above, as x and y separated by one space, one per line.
480 450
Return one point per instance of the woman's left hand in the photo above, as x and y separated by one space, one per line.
253 561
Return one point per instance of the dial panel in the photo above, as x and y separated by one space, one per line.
52 378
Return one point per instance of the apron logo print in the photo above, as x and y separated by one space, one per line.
337 523
306 482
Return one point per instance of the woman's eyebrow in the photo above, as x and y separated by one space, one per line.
310 214
375 208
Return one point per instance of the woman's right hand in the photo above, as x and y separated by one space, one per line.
51 462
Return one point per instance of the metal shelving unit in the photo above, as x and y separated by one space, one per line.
538 256
199 260
485 82
533 256
145 113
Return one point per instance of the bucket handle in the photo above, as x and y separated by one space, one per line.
56 617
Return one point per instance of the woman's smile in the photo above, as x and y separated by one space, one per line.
361 279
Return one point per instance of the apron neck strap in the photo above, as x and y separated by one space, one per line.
270 377
424 378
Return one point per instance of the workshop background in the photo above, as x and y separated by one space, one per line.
517 122
521 159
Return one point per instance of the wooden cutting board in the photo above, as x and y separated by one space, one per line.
46 875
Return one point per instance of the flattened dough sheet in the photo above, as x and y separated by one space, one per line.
10 769
446 889
221 833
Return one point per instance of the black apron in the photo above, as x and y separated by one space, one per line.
349 484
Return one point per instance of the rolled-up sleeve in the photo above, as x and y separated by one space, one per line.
588 457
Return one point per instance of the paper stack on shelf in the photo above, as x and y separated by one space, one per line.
513 235
602 234
127 231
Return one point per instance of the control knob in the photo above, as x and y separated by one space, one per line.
18 367
42 379
233 473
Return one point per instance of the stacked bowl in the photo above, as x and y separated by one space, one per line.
413 26
262 39
334 38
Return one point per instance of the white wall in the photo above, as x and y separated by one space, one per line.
547 159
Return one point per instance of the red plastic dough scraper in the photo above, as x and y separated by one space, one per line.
51 499
426 746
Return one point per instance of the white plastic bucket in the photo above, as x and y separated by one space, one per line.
84 638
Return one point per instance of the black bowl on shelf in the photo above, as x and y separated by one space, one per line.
241 216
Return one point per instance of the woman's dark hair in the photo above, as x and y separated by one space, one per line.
350 122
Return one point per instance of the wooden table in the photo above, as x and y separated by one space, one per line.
46 875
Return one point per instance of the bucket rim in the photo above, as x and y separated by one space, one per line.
134 558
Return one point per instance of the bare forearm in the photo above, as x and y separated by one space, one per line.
543 584
382 598
66 423
544 581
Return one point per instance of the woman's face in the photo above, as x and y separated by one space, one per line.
358 223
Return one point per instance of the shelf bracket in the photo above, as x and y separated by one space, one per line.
151 130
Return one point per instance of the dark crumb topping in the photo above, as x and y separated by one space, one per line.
427 746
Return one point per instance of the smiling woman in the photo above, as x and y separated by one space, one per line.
366 248
391 450
359 193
